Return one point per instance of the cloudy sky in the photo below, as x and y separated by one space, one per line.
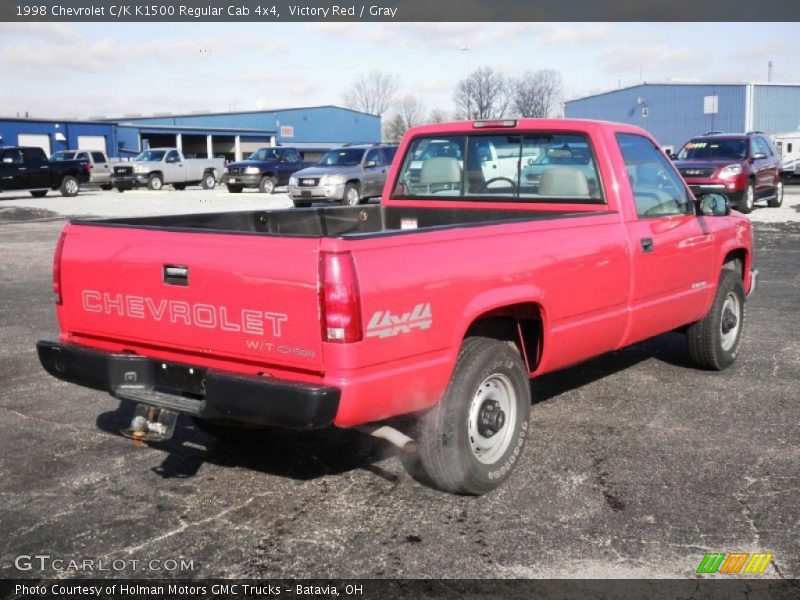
82 70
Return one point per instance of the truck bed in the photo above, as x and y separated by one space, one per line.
335 222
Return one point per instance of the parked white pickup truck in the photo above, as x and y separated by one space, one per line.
159 166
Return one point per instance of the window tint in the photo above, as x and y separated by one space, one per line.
172 156
375 155
543 167
34 156
291 156
98 157
765 143
13 157
388 154
657 189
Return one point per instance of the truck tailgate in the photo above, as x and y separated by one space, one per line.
226 296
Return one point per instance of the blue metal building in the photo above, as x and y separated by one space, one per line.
54 134
232 135
676 111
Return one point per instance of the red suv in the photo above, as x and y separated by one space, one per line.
744 166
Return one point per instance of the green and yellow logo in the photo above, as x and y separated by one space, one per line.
734 562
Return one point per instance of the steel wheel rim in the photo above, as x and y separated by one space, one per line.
497 388
268 186
731 321
352 196
156 183
209 181
72 186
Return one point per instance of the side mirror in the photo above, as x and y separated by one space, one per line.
714 205
759 156
672 155
370 163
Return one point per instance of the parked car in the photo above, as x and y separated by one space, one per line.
100 173
745 167
438 304
24 168
266 169
350 175
159 166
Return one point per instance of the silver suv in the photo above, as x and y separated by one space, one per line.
350 175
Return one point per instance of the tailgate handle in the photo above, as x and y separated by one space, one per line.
176 275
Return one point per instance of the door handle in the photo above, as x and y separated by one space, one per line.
176 275
44 167
647 244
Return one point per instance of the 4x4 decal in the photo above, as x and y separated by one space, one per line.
384 324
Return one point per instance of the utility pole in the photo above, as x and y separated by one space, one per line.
769 71
464 49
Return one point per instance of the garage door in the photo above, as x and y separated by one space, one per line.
92 142
36 140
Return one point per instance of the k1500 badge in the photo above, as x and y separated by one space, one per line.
384 324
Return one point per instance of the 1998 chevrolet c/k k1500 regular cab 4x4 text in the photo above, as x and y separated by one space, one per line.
439 303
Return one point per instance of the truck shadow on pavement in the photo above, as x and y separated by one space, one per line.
312 454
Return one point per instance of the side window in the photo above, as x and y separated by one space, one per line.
11 157
34 156
754 149
172 156
767 145
432 166
375 155
292 156
657 189
388 154
98 157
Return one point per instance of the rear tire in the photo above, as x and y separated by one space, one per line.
267 185
209 181
778 199
714 342
120 189
471 441
235 189
155 182
69 186
39 193
748 200
107 187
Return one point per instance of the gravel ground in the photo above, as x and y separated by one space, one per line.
139 203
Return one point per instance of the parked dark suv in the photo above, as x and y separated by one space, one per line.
744 166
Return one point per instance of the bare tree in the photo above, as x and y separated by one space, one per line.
407 112
537 94
437 115
484 94
371 93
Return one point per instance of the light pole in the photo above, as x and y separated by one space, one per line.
464 49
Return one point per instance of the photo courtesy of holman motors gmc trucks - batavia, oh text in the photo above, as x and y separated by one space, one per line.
526 247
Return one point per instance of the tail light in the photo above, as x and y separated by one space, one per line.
88 167
339 298
57 266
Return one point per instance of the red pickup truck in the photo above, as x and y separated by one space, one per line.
529 246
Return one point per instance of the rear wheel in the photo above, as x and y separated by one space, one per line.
472 440
778 199
748 200
39 193
69 186
120 189
267 185
352 195
714 341
155 182
209 181
235 189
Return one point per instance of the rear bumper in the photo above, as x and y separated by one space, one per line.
194 391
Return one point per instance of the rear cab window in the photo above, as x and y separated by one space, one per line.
98 157
515 166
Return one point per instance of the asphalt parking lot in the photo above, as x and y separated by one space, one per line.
638 464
